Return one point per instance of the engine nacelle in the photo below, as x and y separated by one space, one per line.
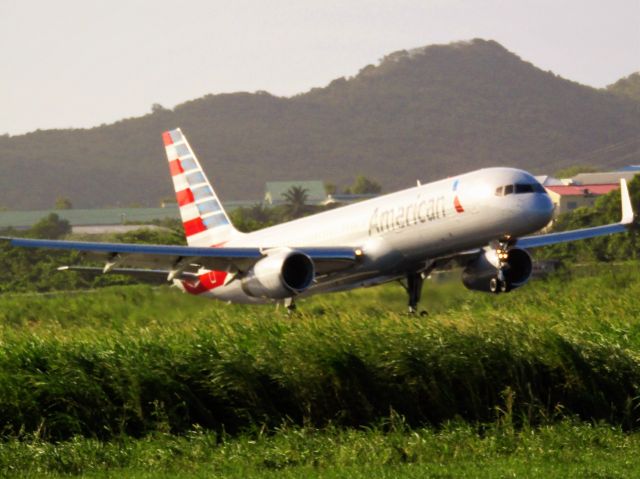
478 274
281 274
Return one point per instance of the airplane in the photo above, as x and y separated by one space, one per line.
483 221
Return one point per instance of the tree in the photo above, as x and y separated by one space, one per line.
63 203
628 87
259 213
157 108
363 185
296 198
252 218
51 227
330 188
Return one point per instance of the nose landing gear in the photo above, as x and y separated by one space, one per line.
497 285
500 284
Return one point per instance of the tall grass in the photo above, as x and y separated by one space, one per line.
136 360
566 449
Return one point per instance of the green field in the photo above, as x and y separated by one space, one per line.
566 449
543 381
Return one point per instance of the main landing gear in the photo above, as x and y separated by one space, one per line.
290 305
414 290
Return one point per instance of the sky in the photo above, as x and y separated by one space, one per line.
82 63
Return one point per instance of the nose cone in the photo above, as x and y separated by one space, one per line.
539 210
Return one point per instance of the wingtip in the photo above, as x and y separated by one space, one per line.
627 209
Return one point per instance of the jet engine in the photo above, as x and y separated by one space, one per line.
482 272
281 274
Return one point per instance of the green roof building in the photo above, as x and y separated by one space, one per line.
93 217
99 217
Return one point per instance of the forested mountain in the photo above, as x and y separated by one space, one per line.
424 113
627 86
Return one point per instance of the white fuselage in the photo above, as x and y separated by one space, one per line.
404 231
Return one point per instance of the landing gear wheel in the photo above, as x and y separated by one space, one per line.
505 287
494 285
290 305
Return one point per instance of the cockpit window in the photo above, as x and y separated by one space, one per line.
523 188
520 188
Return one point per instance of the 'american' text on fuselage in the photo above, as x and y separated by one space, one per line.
400 217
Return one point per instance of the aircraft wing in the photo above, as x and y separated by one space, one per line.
176 260
565 236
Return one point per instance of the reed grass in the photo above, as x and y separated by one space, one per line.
136 360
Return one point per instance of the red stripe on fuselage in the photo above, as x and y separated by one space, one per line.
457 205
194 226
185 197
166 138
207 282
175 167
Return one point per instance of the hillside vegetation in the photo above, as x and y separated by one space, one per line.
426 113
627 87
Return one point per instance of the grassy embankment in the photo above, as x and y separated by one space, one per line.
139 362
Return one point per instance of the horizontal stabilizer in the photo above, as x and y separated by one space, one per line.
158 276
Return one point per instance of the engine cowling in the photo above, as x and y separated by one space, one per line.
281 274
478 274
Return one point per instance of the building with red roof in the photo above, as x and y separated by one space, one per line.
569 197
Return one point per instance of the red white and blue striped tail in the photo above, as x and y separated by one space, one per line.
204 219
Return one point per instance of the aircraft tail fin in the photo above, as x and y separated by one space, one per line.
205 221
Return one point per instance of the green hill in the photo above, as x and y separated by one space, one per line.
424 113
628 87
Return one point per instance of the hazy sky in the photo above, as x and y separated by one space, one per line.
80 63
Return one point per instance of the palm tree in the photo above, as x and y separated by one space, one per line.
296 198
